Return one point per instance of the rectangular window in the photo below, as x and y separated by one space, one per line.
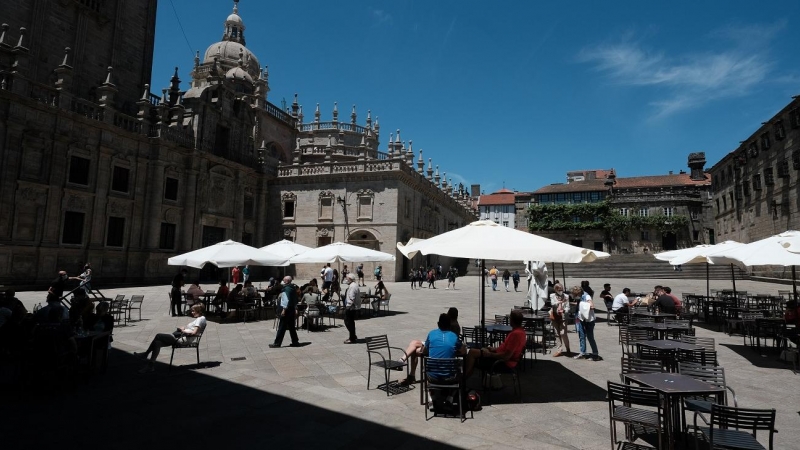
323 241
171 189
746 188
623 212
765 144
757 182
365 207
505 223
780 133
115 234
794 118
288 209
643 212
695 235
783 168
737 190
72 233
249 207
645 235
576 219
79 170
796 159
668 211
769 178
167 239
247 238
408 208
595 196
326 208
121 179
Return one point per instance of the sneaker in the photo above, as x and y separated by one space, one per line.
147 369
578 356
447 289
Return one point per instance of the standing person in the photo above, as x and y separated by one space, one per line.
178 281
344 272
413 277
586 288
327 281
246 274
421 275
360 272
59 284
85 278
432 278
559 302
451 277
515 278
185 334
584 323
352 303
378 273
506 278
236 274
493 277
288 307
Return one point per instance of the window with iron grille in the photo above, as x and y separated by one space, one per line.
794 118
668 211
643 212
769 178
796 159
166 240
765 144
780 133
738 191
746 188
783 168
623 212
757 182
752 150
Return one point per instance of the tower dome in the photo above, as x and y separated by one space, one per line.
231 48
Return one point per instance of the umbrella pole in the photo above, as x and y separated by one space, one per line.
708 287
564 276
794 282
733 280
482 298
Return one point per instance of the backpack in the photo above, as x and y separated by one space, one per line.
377 271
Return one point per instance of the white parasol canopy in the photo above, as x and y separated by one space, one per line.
770 251
285 248
484 239
791 243
227 254
340 252
698 254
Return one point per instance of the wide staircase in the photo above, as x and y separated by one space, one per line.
626 266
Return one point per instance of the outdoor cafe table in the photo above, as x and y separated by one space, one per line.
669 347
655 316
673 387
773 325
660 329
496 331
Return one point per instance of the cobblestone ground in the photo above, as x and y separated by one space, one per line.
244 393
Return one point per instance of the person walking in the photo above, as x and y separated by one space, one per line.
432 278
352 299
413 277
506 278
559 302
493 277
515 278
245 274
360 273
178 281
451 278
236 274
288 313
584 323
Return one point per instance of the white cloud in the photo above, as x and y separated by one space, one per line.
689 80
380 17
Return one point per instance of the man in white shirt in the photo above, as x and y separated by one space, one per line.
621 302
327 280
352 300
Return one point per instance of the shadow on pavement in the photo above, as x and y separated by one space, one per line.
123 409
767 357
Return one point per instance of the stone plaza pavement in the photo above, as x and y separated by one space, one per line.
245 394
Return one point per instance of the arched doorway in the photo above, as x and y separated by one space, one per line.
364 239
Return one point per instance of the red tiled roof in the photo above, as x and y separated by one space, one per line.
575 186
496 199
681 179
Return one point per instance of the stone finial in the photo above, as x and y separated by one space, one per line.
300 114
22 31
164 101
398 136
420 162
196 59
353 115
316 114
436 177
175 82
146 94
236 6
65 62
108 81
4 28
430 168
377 126
335 112
265 74
369 118
444 181
390 144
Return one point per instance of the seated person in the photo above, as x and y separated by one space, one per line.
510 351
234 299
622 303
183 335
222 295
452 313
101 319
664 302
440 343
249 291
196 292
310 297
314 284
675 299
381 293
606 296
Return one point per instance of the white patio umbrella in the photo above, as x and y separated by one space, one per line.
227 254
340 252
285 248
484 239
770 251
699 254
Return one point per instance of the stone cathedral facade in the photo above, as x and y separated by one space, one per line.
97 165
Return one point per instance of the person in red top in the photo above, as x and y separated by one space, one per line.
678 302
510 351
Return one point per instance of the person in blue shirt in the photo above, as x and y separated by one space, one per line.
440 343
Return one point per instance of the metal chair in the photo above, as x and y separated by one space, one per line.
501 368
705 342
727 425
712 375
444 374
135 303
119 310
384 303
379 346
190 342
475 337
703 357
621 401
630 364
749 325
630 338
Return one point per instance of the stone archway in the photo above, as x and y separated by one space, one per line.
365 239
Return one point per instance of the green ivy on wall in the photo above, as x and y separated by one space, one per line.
597 216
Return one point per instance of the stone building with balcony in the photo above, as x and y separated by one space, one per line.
756 185
634 214
97 166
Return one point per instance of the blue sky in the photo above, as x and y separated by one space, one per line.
518 93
